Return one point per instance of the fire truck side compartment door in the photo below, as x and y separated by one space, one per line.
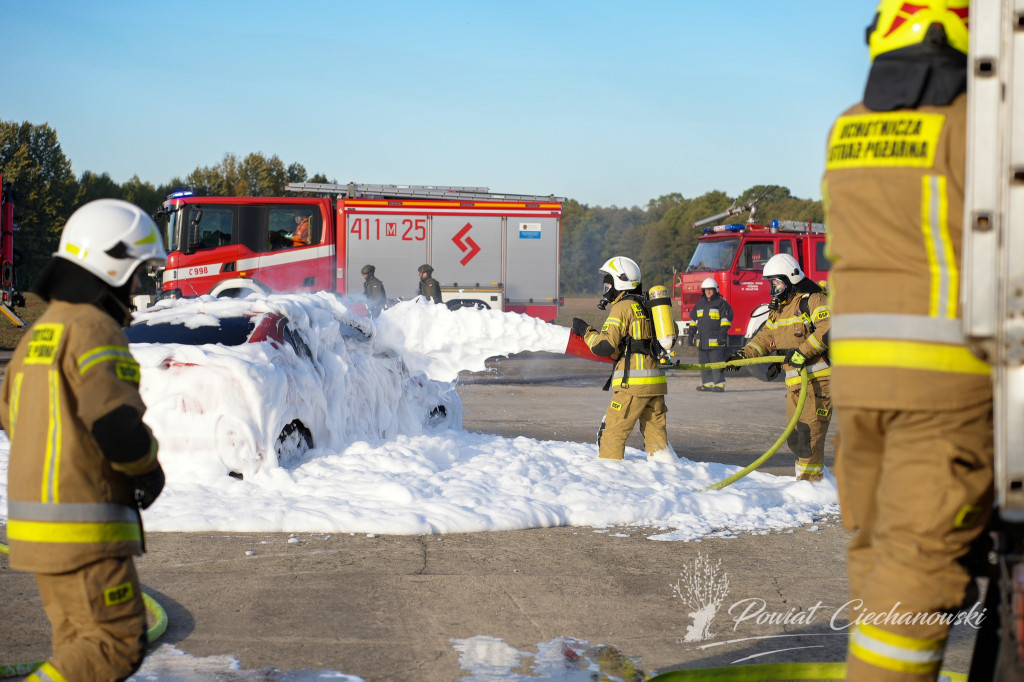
531 268
465 251
394 243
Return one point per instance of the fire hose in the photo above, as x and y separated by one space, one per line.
158 627
764 672
785 434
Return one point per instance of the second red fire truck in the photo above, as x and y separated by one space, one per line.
734 256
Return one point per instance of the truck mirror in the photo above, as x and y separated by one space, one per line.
193 231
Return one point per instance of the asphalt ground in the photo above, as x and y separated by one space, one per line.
399 607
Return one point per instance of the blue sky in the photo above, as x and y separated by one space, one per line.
609 103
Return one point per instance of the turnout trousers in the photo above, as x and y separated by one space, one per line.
916 489
622 415
712 377
98 619
807 441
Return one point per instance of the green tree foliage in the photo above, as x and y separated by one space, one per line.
254 176
660 236
32 161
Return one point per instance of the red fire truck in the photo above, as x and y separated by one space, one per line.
734 256
10 296
498 250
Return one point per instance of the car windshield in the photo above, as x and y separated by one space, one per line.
714 255
230 331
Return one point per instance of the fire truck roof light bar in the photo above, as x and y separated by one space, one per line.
357 191
774 227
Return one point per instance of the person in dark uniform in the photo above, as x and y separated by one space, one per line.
373 289
429 288
710 318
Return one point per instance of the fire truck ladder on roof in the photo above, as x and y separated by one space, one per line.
357 191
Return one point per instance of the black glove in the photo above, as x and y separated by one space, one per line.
148 487
732 358
691 339
794 357
579 327
773 371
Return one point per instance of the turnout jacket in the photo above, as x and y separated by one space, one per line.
802 323
629 326
894 197
71 502
711 319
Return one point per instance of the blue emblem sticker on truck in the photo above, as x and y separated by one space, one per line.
529 230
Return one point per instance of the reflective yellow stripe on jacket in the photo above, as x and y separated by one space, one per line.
51 463
125 364
902 342
12 413
815 371
79 522
945 277
646 377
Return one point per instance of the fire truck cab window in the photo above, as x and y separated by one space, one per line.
713 255
214 226
821 262
290 227
755 255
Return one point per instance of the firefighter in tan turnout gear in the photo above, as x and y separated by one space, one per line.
82 462
638 382
914 457
798 327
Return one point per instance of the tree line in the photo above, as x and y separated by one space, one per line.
658 236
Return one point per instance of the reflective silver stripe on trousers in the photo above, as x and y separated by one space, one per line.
640 373
816 367
898 327
84 512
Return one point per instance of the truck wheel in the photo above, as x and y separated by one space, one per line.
239 288
295 440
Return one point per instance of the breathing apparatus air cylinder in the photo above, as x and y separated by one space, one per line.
660 306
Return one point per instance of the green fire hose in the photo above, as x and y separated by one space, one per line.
785 434
764 672
155 630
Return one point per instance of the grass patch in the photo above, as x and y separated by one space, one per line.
584 307
10 335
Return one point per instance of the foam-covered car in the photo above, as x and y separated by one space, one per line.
248 385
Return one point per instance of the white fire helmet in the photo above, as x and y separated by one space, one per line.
624 272
111 238
709 283
783 265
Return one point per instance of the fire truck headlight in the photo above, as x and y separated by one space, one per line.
170 294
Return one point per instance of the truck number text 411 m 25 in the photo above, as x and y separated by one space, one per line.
370 228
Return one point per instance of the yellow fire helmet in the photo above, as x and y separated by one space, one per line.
900 24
